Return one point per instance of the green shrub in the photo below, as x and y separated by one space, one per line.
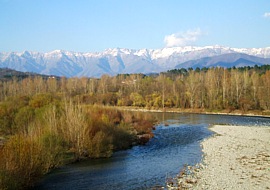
40 100
100 145
23 118
54 149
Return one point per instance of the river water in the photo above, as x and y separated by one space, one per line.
176 143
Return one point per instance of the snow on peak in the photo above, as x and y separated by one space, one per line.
166 52
117 51
118 60
260 52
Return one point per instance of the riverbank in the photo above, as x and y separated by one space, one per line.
61 134
252 113
236 157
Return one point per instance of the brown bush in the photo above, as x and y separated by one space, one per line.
20 163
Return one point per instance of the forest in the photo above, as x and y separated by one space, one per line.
209 89
49 121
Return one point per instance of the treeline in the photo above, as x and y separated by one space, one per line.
245 88
261 69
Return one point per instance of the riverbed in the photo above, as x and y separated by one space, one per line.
237 157
176 143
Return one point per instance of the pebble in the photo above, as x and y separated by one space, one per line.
233 163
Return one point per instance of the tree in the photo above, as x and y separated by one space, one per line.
237 86
192 85
254 86
137 99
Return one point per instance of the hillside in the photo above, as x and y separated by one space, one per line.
7 74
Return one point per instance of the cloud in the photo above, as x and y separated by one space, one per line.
266 15
182 38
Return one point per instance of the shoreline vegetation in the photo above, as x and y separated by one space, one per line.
38 139
235 157
49 121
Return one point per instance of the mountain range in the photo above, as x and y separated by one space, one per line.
119 60
225 60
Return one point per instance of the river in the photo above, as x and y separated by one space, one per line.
176 143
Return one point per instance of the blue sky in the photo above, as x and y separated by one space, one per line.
96 25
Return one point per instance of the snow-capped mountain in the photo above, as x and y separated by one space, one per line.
116 60
226 60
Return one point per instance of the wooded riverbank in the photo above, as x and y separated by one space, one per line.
42 135
210 89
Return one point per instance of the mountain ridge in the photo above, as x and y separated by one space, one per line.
226 60
114 61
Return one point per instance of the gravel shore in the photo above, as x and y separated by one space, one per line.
236 157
